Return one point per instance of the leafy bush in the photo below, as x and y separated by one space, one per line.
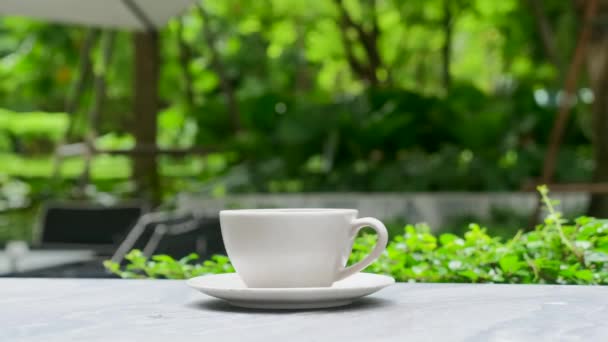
556 252
164 266
358 143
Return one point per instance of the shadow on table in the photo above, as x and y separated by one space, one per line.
222 306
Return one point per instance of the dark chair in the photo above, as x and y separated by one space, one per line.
199 235
174 234
71 226
86 226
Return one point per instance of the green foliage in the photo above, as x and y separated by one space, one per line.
164 266
556 252
310 121
392 140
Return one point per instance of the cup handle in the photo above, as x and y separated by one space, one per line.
380 229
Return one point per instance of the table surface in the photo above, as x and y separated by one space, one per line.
163 310
40 259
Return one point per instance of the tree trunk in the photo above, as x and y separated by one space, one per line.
107 47
546 33
369 40
145 108
366 70
185 57
303 82
79 84
598 76
74 96
447 45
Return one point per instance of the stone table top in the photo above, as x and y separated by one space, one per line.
163 310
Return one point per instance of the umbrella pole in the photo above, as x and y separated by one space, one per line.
145 108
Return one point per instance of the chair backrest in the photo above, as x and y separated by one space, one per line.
83 225
173 233
201 235
166 219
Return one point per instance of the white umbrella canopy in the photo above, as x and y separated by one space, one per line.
137 15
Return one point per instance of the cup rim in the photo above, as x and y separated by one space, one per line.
287 211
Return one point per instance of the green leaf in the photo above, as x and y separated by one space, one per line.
469 274
510 263
163 258
446 239
188 258
111 266
585 275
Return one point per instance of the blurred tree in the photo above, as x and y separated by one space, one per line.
369 68
325 95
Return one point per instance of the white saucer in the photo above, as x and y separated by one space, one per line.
231 288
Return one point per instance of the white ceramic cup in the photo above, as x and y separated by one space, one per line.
283 248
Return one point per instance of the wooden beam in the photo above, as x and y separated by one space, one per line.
148 151
145 109
80 149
